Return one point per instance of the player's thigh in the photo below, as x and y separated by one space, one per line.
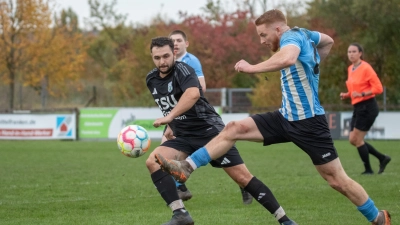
313 136
245 129
272 127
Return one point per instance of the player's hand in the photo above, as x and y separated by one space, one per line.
169 134
243 66
355 94
344 95
161 121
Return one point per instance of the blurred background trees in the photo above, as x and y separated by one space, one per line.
48 59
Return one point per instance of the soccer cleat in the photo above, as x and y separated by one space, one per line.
384 163
180 170
291 222
184 195
367 172
246 197
180 217
383 218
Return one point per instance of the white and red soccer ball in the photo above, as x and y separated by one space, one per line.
133 141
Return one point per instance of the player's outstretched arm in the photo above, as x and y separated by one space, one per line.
324 46
285 57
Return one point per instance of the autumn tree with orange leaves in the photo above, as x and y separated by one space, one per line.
36 51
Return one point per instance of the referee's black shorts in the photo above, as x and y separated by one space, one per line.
364 115
312 135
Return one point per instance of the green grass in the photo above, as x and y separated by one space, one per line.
65 182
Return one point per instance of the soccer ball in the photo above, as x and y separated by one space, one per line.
133 141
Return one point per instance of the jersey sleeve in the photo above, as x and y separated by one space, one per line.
373 79
196 65
187 77
291 38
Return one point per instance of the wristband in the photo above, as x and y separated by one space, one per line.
362 94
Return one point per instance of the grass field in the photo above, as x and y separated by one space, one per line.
74 182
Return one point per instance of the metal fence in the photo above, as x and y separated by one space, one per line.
231 100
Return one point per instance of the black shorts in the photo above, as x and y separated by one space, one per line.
312 135
364 114
189 145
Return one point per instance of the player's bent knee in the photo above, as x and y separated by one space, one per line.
150 161
235 128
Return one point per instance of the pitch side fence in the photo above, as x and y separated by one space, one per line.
105 123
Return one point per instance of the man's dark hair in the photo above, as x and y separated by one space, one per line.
178 32
360 49
161 42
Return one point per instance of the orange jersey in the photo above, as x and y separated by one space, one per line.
363 79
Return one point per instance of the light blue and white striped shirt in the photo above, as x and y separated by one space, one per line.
192 61
299 84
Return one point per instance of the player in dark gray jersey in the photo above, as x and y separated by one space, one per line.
168 90
192 122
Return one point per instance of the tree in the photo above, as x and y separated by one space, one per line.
20 20
57 58
372 23
33 53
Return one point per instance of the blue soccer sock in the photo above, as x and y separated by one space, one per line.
177 183
369 210
200 157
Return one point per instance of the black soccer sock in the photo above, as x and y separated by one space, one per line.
264 196
165 185
363 151
375 152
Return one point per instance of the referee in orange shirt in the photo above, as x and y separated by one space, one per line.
362 85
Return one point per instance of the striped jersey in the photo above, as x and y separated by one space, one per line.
192 61
299 83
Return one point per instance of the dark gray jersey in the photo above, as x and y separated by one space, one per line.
198 120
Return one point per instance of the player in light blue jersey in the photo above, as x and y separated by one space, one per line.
300 119
180 45
180 49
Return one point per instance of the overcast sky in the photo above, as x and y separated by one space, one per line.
139 11
142 11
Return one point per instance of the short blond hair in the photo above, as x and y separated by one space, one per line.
271 16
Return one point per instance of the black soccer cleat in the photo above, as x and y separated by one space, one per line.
180 217
291 222
384 163
246 197
184 195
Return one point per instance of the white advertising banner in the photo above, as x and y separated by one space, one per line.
386 125
38 126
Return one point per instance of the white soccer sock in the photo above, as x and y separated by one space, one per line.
279 213
178 204
191 162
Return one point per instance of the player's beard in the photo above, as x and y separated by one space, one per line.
168 70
